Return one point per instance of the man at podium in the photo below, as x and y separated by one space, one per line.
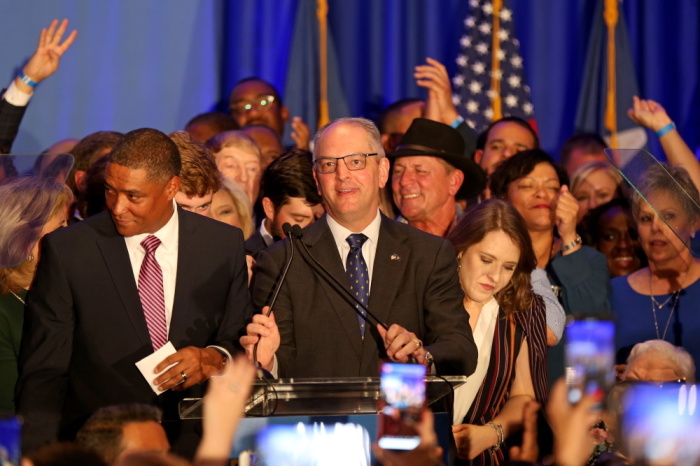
353 259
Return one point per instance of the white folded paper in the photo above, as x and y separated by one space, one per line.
148 364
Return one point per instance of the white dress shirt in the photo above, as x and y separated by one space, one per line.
369 248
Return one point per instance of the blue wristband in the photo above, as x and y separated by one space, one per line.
27 80
669 127
457 121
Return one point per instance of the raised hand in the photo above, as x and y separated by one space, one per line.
49 51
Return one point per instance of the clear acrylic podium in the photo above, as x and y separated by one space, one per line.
352 395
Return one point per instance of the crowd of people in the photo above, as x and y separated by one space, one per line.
416 240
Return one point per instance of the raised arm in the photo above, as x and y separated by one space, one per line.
652 115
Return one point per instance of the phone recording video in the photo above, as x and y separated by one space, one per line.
401 404
590 358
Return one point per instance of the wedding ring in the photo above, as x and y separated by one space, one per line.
419 344
183 375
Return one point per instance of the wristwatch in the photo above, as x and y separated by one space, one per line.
572 245
429 360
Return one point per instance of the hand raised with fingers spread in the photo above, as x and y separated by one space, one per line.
49 51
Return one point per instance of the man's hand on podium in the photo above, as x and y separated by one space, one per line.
264 331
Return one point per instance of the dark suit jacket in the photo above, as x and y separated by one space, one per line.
85 329
414 284
10 119
255 244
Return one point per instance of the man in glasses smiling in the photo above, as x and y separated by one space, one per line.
254 101
407 278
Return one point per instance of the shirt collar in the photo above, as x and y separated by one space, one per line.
167 235
340 233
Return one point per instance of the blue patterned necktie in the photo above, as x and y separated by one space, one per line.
358 275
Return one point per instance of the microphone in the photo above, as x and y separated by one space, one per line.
287 228
370 318
297 233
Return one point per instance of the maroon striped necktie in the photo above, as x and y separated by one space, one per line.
151 293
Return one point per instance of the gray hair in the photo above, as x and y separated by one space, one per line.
369 127
677 356
657 178
236 138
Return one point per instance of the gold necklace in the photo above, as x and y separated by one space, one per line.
17 296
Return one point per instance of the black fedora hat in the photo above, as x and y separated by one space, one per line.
435 139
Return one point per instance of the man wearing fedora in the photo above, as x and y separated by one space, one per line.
429 172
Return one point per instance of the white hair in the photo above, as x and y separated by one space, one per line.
675 355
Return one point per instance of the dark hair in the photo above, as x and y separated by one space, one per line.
387 112
217 121
290 175
89 150
498 215
595 215
104 430
65 454
484 136
589 142
148 149
278 97
519 165
93 200
198 173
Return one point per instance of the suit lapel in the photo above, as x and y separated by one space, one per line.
116 257
321 244
187 260
389 266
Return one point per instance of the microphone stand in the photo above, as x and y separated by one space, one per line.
287 228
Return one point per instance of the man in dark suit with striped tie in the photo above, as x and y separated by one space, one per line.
112 289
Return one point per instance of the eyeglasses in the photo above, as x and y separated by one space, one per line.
261 104
353 162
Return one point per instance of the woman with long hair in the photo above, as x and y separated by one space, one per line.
496 259
29 209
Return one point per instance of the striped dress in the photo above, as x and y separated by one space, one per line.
507 341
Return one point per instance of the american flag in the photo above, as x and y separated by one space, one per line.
473 84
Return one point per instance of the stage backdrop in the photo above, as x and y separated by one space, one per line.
151 63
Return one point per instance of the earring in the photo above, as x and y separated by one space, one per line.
30 257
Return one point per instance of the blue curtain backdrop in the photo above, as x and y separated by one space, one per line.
152 63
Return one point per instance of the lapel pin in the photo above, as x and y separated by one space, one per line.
395 257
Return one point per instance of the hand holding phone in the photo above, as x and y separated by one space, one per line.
401 404
590 358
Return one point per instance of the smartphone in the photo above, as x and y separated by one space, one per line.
590 358
10 441
401 403
661 425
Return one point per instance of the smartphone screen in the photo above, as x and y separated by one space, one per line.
590 358
10 436
401 403
661 425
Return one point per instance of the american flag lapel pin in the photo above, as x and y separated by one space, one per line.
395 257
